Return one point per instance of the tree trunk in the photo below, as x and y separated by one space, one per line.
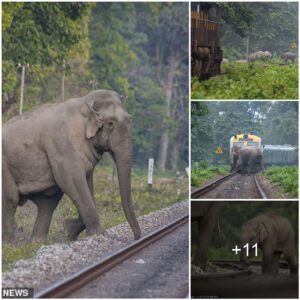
168 86
175 155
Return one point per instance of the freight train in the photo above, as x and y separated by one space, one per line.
205 40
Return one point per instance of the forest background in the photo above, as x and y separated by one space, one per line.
271 26
137 49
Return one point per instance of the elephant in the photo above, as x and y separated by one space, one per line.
54 149
273 234
288 56
268 55
205 213
202 59
260 55
247 160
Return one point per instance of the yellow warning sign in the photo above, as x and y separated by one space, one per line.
219 150
294 45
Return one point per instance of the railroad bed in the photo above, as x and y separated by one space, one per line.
232 186
55 263
236 282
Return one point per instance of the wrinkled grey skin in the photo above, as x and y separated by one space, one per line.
248 160
54 149
275 236
288 56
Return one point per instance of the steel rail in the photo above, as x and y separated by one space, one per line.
77 280
282 264
259 188
199 192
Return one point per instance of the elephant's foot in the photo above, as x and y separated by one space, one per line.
73 228
93 231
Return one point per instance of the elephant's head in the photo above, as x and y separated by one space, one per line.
108 129
251 233
235 156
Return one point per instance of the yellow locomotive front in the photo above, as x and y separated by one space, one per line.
242 141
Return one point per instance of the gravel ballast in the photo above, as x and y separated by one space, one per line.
56 261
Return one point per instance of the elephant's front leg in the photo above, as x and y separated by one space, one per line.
75 226
73 181
267 261
275 262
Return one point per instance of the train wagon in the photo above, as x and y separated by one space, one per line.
205 40
280 155
243 140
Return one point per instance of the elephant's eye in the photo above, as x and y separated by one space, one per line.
111 124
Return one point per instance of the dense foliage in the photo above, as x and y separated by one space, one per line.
250 81
285 177
271 26
234 214
137 49
202 172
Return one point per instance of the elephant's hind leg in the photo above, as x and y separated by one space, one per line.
10 200
46 206
292 263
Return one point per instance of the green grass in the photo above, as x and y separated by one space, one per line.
260 80
285 177
201 172
166 191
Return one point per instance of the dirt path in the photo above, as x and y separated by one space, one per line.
236 187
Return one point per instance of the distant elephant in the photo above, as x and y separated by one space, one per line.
260 55
268 55
54 149
273 234
288 56
256 56
247 160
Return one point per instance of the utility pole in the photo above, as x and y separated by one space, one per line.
63 82
23 66
248 46
94 83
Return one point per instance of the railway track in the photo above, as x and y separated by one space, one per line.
202 192
83 277
243 283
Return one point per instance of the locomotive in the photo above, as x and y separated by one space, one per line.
273 154
243 140
205 40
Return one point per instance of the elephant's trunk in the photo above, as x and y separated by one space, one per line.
123 163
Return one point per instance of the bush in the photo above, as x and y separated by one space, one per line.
286 177
259 80
201 172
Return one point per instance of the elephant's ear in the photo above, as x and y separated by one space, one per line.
263 233
94 123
